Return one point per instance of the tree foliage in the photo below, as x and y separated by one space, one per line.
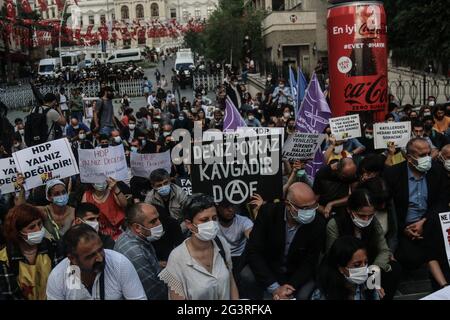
222 39
419 31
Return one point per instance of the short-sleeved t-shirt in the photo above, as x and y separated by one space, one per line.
106 117
52 116
235 234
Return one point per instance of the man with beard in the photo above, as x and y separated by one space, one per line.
92 273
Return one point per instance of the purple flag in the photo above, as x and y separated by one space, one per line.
313 118
233 118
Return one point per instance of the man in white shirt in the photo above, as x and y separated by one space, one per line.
151 100
92 273
235 229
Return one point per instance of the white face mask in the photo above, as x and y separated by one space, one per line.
117 139
207 231
132 126
446 163
82 136
155 233
423 164
251 118
287 114
360 223
93 224
357 275
34 238
431 103
22 131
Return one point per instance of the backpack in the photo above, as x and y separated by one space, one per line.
36 129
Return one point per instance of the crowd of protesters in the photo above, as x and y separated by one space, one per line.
148 238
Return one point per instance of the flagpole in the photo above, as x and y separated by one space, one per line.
306 91
60 27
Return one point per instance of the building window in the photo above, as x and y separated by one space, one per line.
139 11
113 16
81 22
197 13
154 10
102 18
141 40
127 43
53 13
173 13
209 11
124 13
91 20
185 15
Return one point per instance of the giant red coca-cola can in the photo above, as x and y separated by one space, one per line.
357 57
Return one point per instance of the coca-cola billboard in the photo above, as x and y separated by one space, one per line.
357 57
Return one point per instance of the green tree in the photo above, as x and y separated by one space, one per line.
225 30
419 32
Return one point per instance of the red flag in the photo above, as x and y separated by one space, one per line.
59 4
43 5
26 6
10 10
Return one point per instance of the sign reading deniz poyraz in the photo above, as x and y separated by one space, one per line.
445 226
8 176
302 146
142 164
347 127
398 133
237 166
98 164
46 161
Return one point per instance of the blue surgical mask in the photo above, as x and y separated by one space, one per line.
164 190
100 186
305 216
61 200
134 149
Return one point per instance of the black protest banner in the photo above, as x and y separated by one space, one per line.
238 167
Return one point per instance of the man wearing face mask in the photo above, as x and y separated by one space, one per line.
166 194
251 121
97 273
367 141
415 188
130 132
217 120
144 227
284 247
281 95
116 139
74 129
88 213
437 138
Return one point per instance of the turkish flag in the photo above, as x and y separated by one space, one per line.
10 10
43 5
26 6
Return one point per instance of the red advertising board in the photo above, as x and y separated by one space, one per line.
357 57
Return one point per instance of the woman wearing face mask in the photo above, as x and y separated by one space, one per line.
111 202
360 222
58 215
26 262
200 268
344 272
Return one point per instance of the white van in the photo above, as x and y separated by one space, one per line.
73 60
48 67
122 56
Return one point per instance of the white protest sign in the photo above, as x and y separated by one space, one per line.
397 132
262 131
444 218
143 164
346 127
8 176
302 146
46 161
98 164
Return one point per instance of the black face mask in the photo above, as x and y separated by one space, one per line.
428 127
104 145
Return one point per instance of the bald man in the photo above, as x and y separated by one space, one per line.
136 244
416 189
284 247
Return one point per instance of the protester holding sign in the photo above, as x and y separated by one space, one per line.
203 251
28 258
58 216
111 202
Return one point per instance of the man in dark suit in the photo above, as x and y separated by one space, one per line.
415 188
284 247
234 91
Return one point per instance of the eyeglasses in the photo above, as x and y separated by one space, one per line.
311 207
